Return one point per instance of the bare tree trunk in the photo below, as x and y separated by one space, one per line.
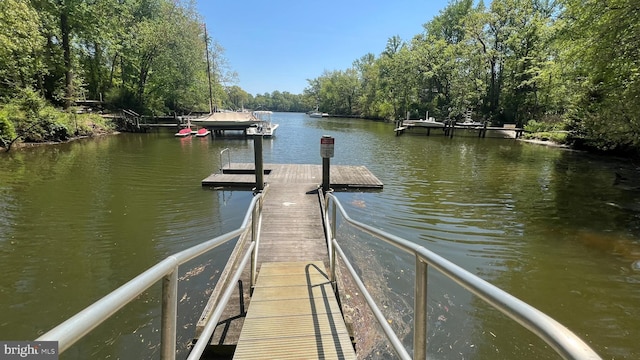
113 69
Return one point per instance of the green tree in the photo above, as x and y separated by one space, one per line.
21 47
337 91
450 79
238 98
603 39
367 68
398 73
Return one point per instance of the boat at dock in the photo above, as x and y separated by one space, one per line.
187 131
429 123
227 120
183 132
317 114
470 123
265 127
202 132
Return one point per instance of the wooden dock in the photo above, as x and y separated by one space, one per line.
293 312
507 131
242 175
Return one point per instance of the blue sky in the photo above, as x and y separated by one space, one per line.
279 44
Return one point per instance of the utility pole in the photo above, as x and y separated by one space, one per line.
206 42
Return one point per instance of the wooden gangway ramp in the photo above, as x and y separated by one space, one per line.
293 306
294 315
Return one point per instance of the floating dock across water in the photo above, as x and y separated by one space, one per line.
242 175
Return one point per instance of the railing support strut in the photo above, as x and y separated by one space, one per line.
420 311
169 315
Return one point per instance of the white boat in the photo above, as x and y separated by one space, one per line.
265 127
317 114
429 123
470 123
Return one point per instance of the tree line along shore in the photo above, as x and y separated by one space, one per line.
564 70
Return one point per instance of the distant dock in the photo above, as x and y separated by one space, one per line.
448 128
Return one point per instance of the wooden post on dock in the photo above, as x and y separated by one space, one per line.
326 174
259 164
326 151
399 127
483 131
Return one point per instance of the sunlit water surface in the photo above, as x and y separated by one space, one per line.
553 227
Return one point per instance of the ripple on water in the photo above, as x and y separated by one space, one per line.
480 228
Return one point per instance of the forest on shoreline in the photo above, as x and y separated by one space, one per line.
560 67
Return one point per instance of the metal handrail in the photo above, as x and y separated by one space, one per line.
562 340
76 327
228 158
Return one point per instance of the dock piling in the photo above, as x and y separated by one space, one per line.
326 151
259 163
483 131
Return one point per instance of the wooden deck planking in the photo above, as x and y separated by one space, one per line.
294 315
230 180
291 224
291 230
341 176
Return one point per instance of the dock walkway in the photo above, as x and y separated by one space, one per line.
293 312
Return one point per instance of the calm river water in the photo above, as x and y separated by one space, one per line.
555 228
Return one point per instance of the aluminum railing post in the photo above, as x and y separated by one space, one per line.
332 250
169 315
254 235
420 311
